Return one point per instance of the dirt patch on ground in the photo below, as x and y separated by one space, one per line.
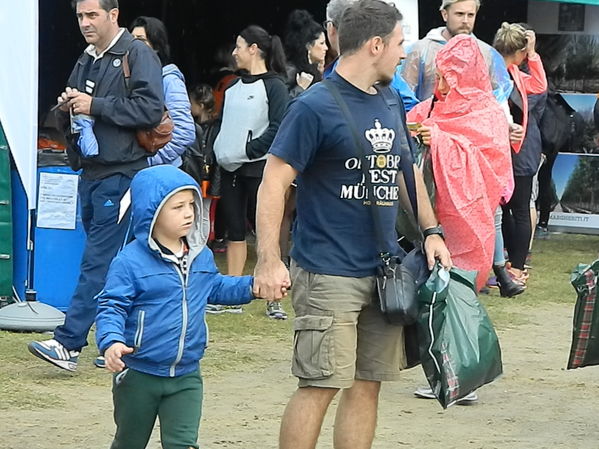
536 404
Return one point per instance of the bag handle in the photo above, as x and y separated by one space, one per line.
406 162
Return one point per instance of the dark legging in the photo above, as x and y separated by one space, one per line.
516 222
238 202
546 196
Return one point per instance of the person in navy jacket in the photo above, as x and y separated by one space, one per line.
113 110
150 322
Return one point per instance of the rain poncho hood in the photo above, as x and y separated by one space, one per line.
470 155
150 189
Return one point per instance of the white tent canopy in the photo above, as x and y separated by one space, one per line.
19 88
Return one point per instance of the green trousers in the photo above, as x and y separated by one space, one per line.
139 398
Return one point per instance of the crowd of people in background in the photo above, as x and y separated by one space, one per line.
268 152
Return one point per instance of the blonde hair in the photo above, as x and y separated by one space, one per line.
510 38
447 3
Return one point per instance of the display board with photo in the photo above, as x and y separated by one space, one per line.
583 123
576 180
571 61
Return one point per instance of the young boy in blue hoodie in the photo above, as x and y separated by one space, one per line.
150 323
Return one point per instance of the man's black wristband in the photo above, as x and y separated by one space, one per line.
435 230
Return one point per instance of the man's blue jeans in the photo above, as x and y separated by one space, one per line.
100 206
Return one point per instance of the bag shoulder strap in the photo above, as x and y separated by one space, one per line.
406 165
126 68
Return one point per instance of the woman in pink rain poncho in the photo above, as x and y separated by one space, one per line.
468 133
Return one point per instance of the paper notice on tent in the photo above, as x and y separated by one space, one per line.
57 201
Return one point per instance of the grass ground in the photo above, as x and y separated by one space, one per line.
27 385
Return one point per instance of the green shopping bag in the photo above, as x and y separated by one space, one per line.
459 348
585 335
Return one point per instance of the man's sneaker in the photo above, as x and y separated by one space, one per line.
100 362
55 353
233 309
215 309
424 393
275 311
468 399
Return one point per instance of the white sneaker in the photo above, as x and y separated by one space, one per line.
468 399
424 393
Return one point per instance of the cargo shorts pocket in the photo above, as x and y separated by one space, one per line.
313 347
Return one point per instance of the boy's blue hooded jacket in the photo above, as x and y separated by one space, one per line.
148 303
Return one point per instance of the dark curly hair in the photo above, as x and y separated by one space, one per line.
302 30
156 34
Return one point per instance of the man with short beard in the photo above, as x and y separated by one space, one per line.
342 341
334 12
459 16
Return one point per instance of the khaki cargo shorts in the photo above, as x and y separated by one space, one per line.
340 333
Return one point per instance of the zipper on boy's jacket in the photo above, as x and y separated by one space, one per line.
182 271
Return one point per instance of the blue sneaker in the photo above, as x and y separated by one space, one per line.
55 353
100 362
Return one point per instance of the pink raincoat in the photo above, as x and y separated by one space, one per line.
470 154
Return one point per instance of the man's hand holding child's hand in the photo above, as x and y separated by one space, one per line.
113 357
257 293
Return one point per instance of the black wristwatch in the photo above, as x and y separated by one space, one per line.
435 230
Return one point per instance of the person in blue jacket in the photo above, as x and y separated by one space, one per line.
152 32
150 322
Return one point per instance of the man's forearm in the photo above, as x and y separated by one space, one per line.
277 178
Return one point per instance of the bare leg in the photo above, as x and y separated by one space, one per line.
237 253
303 417
355 421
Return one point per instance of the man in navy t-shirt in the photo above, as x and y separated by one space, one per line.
334 231
342 340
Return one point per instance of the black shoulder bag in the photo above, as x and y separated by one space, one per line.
397 282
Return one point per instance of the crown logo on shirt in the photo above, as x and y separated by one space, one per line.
380 138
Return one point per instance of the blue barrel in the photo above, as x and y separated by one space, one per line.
57 257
